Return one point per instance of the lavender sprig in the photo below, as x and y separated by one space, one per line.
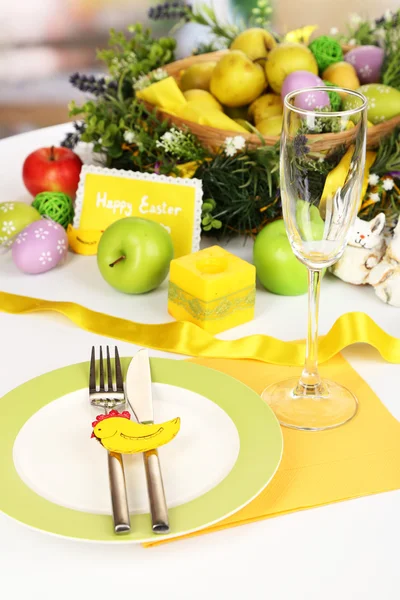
71 139
170 10
92 85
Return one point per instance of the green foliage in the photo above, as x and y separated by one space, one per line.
184 145
391 70
128 58
322 124
208 222
244 189
388 154
130 137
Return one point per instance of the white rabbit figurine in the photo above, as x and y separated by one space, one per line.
364 251
385 277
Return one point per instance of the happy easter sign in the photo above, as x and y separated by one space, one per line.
106 195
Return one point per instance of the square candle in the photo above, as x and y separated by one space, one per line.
212 288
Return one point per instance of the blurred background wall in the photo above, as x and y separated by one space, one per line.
43 41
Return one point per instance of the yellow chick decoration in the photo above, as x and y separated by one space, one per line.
117 433
302 35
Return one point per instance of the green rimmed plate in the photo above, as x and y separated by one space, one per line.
55 476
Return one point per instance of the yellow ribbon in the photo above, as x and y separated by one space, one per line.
189 339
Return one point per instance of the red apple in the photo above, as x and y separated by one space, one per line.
52 170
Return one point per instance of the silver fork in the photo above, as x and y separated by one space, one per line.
109 397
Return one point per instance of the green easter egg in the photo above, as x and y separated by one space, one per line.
383 102
14 217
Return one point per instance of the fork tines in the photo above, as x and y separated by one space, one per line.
112 394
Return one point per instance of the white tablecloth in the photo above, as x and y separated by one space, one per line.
347 551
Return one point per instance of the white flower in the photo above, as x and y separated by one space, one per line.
352 42
22 237
41 233
129 137
8 227
3 240
371 102
144 80
233 144
355 19
239 142
388 15
168 136
334 31
61 247
45 257
373 179
388 184
374 197
6 206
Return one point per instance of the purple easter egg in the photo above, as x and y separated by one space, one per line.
40 247
367 61
312 100
309 100
298 80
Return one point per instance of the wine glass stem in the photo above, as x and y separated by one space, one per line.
310 379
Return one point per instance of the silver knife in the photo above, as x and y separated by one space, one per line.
138 393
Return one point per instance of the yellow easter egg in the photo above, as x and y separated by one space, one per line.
342 74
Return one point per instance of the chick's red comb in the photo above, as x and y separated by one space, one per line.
113 413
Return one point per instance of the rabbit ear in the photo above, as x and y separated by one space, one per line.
378 224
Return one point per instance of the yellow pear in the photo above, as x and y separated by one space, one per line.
197 76
254 42
267 105
202 98
271 126
236 80
286 58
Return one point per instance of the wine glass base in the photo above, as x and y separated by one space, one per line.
312 411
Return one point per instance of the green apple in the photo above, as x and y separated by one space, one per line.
277 268
134 255
309 221
14 217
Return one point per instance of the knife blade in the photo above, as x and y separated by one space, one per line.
139 396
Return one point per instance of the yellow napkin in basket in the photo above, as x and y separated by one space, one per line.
164 94
167 96
317 468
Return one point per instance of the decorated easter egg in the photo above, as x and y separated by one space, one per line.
298 80
367 61
14 216
304 79
40 247
383 102
342 74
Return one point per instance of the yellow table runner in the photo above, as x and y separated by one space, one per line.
317 468
189 339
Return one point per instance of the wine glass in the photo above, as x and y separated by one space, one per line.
321 172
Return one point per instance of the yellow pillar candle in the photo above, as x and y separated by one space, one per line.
212 288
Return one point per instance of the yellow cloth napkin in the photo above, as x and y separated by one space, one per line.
317 468
167 96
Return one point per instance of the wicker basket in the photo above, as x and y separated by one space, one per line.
214 138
